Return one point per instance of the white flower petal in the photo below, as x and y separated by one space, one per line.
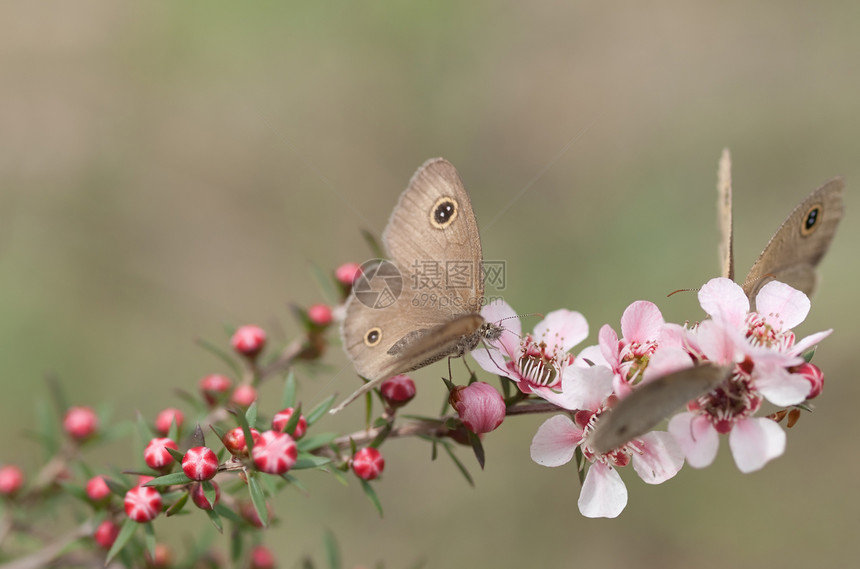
608 341
603 493
718 341
783 388
586 388
809 341
755 442
555 441
501 313
782 306
722 298
697 438
562 328
591 354
661 457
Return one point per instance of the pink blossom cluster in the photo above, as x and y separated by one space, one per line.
758 347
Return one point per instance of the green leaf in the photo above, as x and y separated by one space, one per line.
326 284
176 454
173 431
291 425
170 480
220 354
236 546
460 466
116 488
258 499
288 398
144 433
579 460
149 538
177 506
290 479
246 430
219 432
313 442
320 410
58 395
332 552
216 520
251 415
808 354
373 243
48 429
477 447
306 460
371 493
125 533
226 512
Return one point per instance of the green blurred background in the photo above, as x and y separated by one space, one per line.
167 168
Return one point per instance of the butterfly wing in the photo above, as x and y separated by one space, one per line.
652 402
797 247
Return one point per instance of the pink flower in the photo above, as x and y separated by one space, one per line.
80 422
248 340
234 440
766 357
156 455
320 314
537 361
648 348
165 419
274 453
368 463
244 395
655 456
106 534
142 503
11 479
97 489
398 390
282 417
200 463
347 273
479 406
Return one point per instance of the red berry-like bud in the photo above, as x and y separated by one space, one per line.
11 480
166 418
320 314
215 387
244 395
143 479
282 417
813 374
200 463
106 534
97 489
398 390
142 503
161 559
234 440
249 340
80 422
156 455
198 496
479 406
274 453
347 273
262 558
368 463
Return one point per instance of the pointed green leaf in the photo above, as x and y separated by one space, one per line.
460 466
251 415
125 533
371 493
477 447
288 398
173 431
169 480
320 410
258 499
332 552
290 426
226 512
220 354
177 455
177 506
313 442
306 460
216 520
373 243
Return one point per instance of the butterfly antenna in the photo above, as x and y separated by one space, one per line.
682 290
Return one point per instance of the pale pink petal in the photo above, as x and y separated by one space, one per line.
592 355
563 329
719 342
782 306
755 442
641 322
500 312
808 342
553 395
555 441
783 388
722 298
608 340
493 361
603 493
586 388
666 360
697 438
672 336
660 458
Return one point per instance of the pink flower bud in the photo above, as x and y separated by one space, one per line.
813 374
142 503
106 534
262 558
161 559
97 489
234 440
11 480
80 422
282 417
200 463
244 395
320 314
156 455
166 418
479 405
368 463
274 453
347 273
198 496
214 387
249 340
398 390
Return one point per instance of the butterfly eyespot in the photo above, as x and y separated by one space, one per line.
373 337
444 212
810 220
